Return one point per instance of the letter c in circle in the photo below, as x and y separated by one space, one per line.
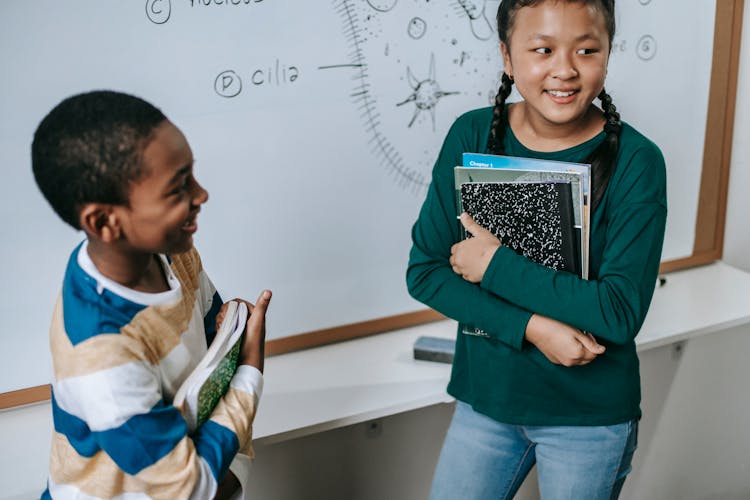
158 11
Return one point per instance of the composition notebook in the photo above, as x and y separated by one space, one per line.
533 169
535 219
209 381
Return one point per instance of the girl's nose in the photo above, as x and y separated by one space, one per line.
564 68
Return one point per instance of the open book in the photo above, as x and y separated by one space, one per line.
209 381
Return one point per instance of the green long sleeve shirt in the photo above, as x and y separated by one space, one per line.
504 376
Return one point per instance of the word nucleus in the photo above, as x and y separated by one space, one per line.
211 3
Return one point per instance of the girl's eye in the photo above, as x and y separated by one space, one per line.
543 50
585 52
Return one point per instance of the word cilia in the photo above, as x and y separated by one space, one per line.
276 74
229 83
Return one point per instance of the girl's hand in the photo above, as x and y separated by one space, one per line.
560 343
470 258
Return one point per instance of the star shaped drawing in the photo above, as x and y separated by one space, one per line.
426 93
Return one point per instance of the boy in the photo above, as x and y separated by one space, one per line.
136 310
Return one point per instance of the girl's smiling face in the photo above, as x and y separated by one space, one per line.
557 55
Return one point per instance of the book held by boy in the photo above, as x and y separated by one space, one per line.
209 381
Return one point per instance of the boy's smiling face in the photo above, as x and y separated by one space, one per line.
164 203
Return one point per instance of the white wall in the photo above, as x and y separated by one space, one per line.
25 435
695 443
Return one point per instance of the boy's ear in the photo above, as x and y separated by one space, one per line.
98 220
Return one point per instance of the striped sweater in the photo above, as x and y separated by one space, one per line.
118 357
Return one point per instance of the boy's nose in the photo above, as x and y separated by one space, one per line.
200 195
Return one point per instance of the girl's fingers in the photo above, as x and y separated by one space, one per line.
590 343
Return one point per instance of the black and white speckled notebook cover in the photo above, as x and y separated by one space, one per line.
535 219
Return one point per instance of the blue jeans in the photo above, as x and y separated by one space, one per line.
485 459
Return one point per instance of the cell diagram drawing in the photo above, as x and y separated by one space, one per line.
416 65
426 93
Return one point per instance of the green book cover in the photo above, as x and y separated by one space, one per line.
217 383
202 390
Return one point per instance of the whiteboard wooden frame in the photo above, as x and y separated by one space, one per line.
709 224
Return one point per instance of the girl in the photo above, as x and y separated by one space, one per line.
536 389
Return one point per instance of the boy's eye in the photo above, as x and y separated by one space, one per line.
182 187
585 52
543 50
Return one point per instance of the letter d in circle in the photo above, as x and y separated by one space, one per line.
228 84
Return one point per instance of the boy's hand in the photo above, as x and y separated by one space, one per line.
562 344
253 349
470 258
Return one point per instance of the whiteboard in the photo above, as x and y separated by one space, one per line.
314 126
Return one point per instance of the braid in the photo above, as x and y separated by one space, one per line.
497 130
604 157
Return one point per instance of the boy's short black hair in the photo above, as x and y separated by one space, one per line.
88 149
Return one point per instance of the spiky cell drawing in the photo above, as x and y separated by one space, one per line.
426 93
416 66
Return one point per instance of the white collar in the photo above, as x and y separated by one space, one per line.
148 299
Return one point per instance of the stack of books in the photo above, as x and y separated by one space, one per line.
538 208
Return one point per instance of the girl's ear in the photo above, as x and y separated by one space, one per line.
508 67
99 221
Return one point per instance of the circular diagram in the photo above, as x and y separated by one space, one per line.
646 48
411 84
417 28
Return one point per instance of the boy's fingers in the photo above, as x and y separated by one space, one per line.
258 315
220 315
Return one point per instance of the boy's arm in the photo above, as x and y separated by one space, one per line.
144 437
214 310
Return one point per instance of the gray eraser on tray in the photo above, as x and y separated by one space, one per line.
434 349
